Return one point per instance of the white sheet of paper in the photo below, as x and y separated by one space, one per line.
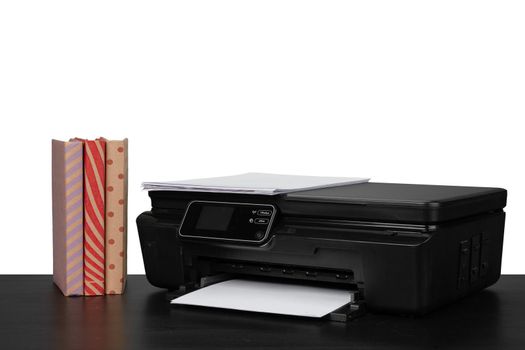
256 183
268 297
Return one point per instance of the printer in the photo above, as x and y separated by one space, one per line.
401 248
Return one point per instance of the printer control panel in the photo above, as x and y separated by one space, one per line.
242 222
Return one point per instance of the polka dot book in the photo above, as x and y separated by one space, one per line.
116 215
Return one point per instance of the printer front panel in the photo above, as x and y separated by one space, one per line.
400 268
377 261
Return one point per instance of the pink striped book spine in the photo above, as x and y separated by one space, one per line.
94 216
67 185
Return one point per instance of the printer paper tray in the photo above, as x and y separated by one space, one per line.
269 296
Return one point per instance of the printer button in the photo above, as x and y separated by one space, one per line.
264 212
263 221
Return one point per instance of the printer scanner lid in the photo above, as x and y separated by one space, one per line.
373 201
396 202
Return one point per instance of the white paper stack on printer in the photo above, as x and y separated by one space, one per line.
268 297
253 183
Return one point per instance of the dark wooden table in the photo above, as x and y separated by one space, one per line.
35 315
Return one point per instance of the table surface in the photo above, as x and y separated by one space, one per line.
35 315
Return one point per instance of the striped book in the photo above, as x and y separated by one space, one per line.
94 216
68 239
116 214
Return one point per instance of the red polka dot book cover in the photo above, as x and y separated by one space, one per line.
116 215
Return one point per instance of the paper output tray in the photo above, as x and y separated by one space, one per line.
353 309
350 311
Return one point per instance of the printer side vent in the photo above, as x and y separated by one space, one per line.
472 260
475 256
464 262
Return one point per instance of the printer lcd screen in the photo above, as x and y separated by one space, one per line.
243 222
214 218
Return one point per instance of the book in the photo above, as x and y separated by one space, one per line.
94 216
116 215
68 236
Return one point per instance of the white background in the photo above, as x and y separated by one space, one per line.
402 91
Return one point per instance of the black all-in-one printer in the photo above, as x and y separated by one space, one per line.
403 248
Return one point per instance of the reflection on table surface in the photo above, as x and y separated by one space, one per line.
34 312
